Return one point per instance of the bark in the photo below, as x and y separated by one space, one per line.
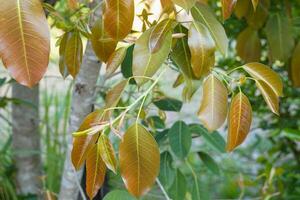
82 104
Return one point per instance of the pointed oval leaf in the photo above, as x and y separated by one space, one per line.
242 8
25 40
295 66
144 63
255 3
257 18
103 45
107 153
167 172
178 189
118 194
269 95
95 172
262 72
239 122
159 34
168 104
139 160
118 18
186 4
227 8
115 60
180 139
113 96
202 13
248 46
209 162
202 48
167 6
213 109
74 51
63 69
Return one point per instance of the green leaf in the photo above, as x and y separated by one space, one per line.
199 191
202 13
180 139
293 134
186 4
145 63
178 189
156 122
210 163
168 104
167 172
126 66
214 139
118 194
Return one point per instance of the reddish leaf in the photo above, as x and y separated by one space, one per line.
227 8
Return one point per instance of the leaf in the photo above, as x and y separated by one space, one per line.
167 172
126 66
199 190
139 160
73 4
25 40
63 69
242 8
180 139
295 66
262 72
269 95
95 172
107 153
178 189
255 3
118 18
248 46
186 4
202 48
209 162
159 34
144 63
240 118
213 109
168 104
115 60
167 6
156 122
257 18
113 96
280 37
213 140
292 134
74 51
103 45
202 13
117 195
227 8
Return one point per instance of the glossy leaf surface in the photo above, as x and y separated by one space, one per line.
168 104
107 153
269 95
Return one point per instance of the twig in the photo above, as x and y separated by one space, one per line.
162 189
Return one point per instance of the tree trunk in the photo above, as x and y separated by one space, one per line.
82 104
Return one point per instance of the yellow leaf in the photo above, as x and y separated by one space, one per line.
255 3
213 109
107 153
239 122
269 95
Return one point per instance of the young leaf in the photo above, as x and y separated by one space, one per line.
167 6
295 66
239 122
25 40
74 51
213 109
209 162
167 172
168 104
118 18
202 13
159 34
202 48
144 62
227 8
113 96
63 69
257 18
280 37
118 194
115 60
103 45
178 189
107 153
242 8
255 3
186 4
180 139
269 95
248 45
139 160
95 172
262 72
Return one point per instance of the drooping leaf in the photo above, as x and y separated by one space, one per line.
118 18
248 46
186 4
144 62
139 160
180 139
168 104
257 18
202 48
280 37
202 13
269 95
242 8
239 122
113 96
209 162
262 72
199 190
255 3
158 34
167 6
227 8
117 195
213 109
126 66
295 66
63 69
95 171
107 153
115 60
25 40
103 45
167 172
178 189
213 140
